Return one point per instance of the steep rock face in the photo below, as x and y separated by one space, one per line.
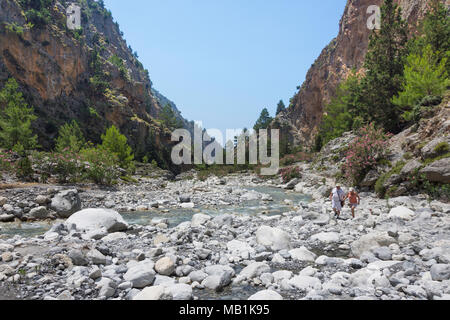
54 67
344 53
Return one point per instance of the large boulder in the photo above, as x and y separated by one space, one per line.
274 238
66 203
140 274
438 171
305 283
371 178
410 167
371 240
402 213
429 150
95 219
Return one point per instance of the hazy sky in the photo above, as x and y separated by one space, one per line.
222 62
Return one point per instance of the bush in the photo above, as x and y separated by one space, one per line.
442 148
24 168
364 152
289 173
6 160
101 166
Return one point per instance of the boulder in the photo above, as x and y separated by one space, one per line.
429 150
370 179
410 167
199 220
94 219
440 272
179 291
153 293
274 238
7 218
302 254
66 203
140 274
402 213
438 171
371 240
254 270
266 295
165 266
305 283
3 201
39 213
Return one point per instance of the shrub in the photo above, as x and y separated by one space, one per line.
366 149
6 160
101 166
442 148
289 173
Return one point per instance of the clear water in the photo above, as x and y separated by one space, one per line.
176 215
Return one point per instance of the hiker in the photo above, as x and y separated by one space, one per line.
337 197
354 200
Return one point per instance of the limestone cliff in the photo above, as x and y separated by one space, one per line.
89 75
344 53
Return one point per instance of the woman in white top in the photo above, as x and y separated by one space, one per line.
337 197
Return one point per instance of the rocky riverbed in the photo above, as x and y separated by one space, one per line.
238 237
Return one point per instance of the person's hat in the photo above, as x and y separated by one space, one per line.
352 189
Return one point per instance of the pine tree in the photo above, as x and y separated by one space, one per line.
281 107
70 136
343 111
436 28
263 121
424 76
169 119
384 69
15 119
116 143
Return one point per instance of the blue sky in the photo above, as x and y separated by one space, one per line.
222 62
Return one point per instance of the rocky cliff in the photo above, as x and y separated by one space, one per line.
344 53
89 75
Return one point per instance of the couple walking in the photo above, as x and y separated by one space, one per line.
338 198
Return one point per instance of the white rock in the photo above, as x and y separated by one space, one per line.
141 274
199 220
93 219
402 213
153 293
266 295
302 254
274 238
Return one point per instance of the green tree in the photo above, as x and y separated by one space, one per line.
342 114
384 69
281 107
263 121
436 29
424 76
70 136
169 119
116 143
15 119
